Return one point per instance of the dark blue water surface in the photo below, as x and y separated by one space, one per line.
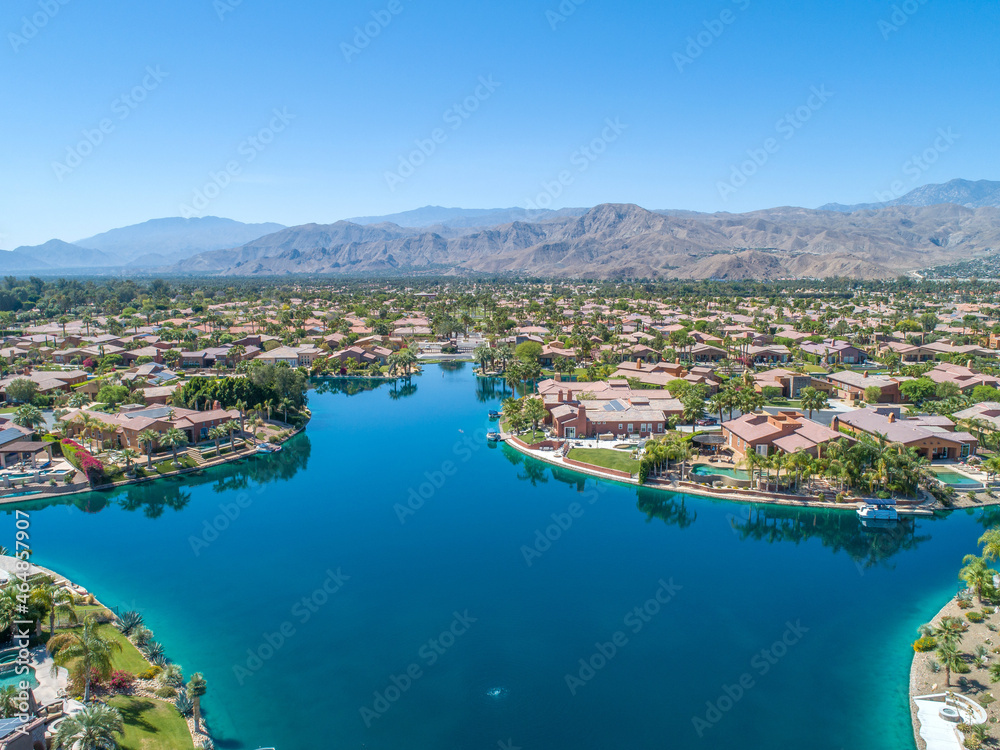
425 626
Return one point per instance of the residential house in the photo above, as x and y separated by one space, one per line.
851 386
786 431
933 437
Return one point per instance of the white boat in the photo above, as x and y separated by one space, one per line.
268 448
883 510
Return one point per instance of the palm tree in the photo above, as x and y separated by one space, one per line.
284 405
174 439
88 424
147 439
196 688
28 415
93 728
951 659
991 544
92 650
483 354
54 600
977 575
534 410
813 400
217 433
949 631
129 455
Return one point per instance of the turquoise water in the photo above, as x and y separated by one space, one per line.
12 679
333 500
955 479
703 470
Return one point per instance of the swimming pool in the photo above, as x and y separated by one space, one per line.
705 470
956 480
12 679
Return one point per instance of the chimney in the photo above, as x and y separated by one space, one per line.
866 373
558 377
569 395
559 398
835 424
892 417
638 364
216 405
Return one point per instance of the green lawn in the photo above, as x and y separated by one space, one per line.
129 657
532 437
165 467
608 458
813 368
152 725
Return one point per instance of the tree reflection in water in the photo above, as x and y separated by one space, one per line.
173 493
669 508
840 531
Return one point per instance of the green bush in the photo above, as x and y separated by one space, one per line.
150 673
976 617
924 644
166 691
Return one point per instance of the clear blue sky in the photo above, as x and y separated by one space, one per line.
354 120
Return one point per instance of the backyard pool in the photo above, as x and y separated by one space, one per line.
956 480
705 470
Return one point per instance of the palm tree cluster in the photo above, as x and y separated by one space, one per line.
520 412
660 452
871 464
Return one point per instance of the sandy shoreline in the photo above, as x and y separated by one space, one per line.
975 683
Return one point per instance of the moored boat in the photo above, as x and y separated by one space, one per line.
878 510
494 415
493 436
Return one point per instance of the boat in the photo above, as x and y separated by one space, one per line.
493 436
878 510
494 415
268 448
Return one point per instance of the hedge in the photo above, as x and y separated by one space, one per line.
82 460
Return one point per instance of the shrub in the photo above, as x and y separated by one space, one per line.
934 666
165 691
121 681
976 617
184 704
924 644
81 458
129 621
150 673
141 635
841 497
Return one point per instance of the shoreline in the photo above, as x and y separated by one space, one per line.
46 492
923 680
694 488
62 581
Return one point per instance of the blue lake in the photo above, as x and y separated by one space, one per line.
386 582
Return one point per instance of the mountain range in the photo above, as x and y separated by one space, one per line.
626 241
968 193
932 225
145 246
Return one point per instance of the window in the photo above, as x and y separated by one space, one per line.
630 427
